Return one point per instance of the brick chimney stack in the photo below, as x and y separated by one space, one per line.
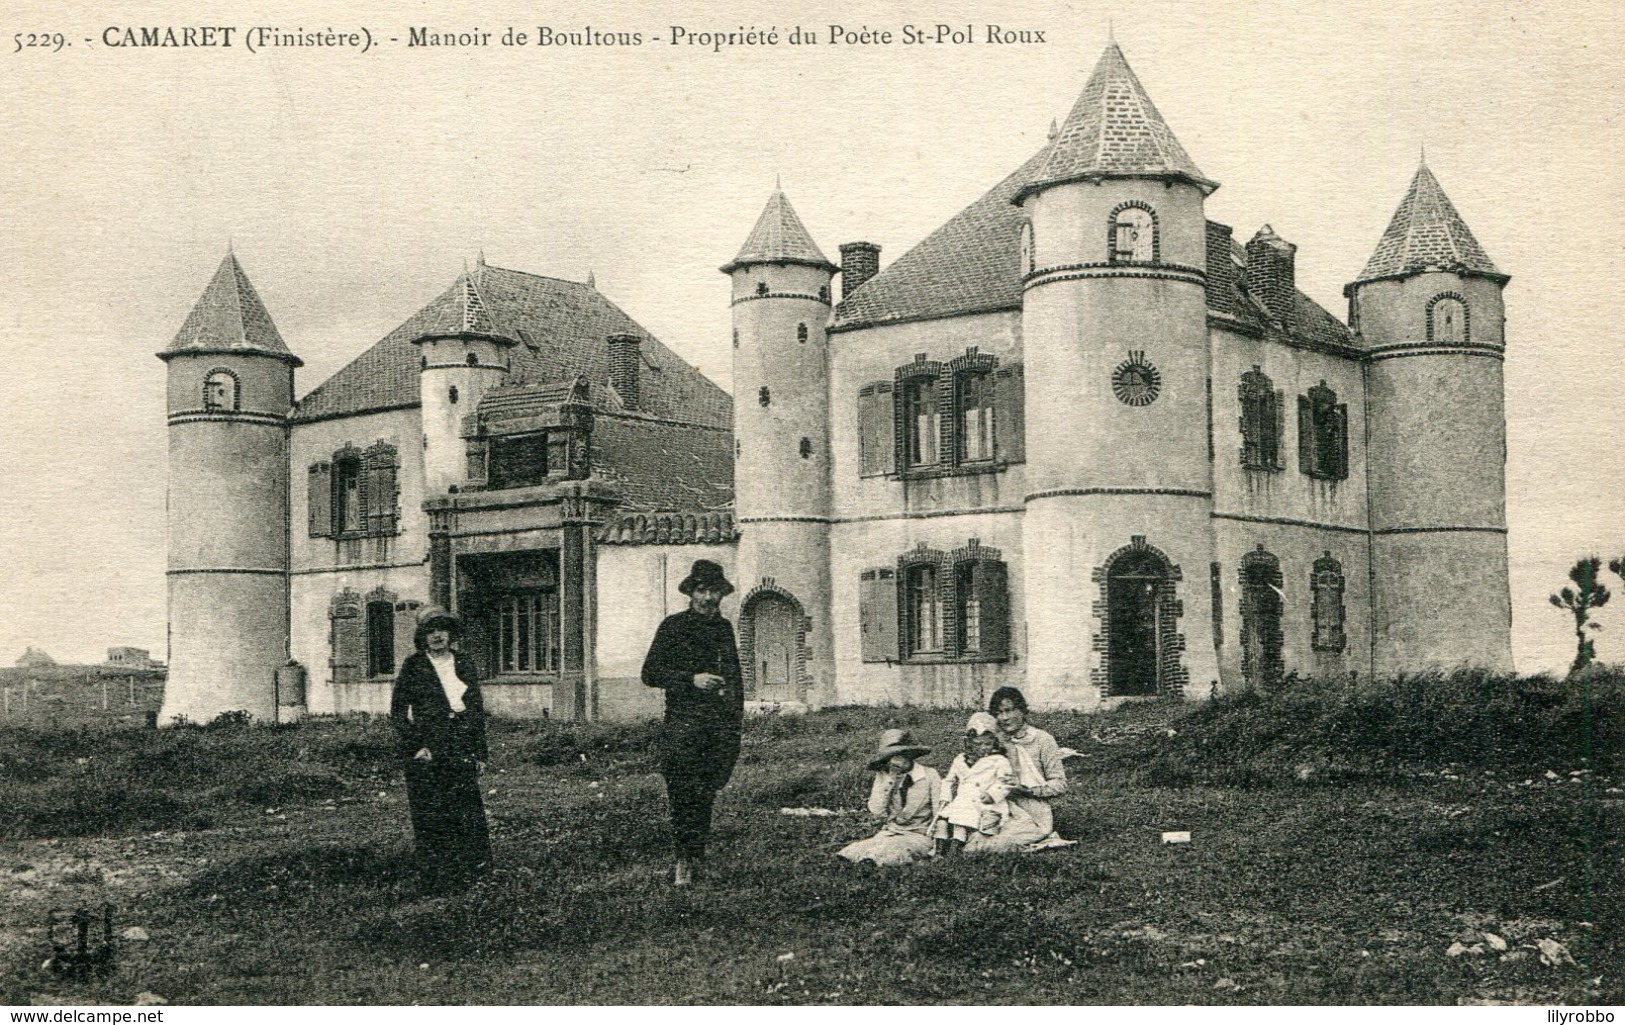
1271 272
625 353
860 261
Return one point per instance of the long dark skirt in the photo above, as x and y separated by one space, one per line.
448 819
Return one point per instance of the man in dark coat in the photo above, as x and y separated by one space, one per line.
695 660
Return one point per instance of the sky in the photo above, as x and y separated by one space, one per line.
354 187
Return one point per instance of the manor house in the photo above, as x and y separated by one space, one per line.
1079 439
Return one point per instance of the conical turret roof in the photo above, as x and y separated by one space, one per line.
462 310
1426 231
229 318
779 237
1114 130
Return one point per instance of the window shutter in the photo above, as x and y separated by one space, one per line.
868 435
349 643
1010 420
884 418
877 614
1340 451
993 605
1247 423
319 499
1277 424
1306 437
406 627
378 490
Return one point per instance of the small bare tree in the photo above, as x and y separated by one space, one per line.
1588 593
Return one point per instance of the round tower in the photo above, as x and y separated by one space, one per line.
1117 532
1428 307
462 356
781 305
230 392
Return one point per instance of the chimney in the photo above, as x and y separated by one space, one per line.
860 261
624 356
1221 268
1270 273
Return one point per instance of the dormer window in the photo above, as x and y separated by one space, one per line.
220 391
1133 235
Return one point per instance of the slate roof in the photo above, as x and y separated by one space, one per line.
229 318
561 329
1114 129
659 466
1426 231
972 264
1311 322
779 237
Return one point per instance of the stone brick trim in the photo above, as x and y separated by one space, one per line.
747 637
1111 233
1171 672
1466 317
1268 568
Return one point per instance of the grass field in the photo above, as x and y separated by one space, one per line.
1341 849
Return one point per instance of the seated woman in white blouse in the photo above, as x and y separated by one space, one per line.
1040 778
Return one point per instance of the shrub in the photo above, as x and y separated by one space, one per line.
1310 732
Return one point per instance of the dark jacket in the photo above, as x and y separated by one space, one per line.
691 642
701 726
422 716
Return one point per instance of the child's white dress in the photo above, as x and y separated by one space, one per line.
965 785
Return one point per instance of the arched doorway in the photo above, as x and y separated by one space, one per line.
772 633
1261 608
1141 649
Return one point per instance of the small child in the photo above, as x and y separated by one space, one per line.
975 788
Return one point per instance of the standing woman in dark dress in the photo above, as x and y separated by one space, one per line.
695 660
439 716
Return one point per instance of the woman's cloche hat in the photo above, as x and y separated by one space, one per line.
433 617
895 742
708 575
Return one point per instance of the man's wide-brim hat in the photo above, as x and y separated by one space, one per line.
708 575
895 742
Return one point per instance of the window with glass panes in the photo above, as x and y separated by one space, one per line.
924 604
347 496
920 421
525 631
974 394
970 609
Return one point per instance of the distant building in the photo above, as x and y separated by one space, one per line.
132 658
1079 439
34 658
